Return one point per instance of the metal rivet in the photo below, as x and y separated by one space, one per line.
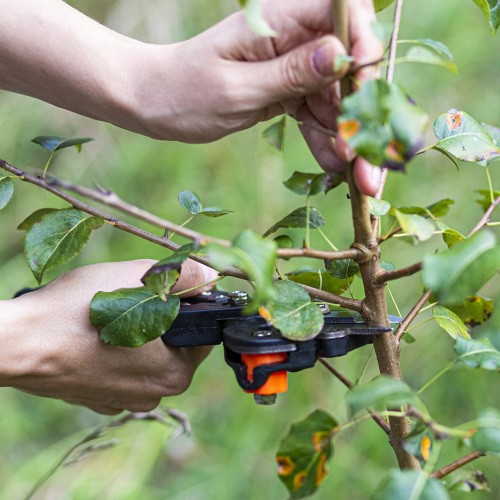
262 333
237 298
265 399
324 308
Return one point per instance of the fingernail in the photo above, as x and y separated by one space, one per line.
323 59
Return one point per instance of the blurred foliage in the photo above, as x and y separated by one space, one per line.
231 454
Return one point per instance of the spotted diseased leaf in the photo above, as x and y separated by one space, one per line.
487 436
35 217
255 19
378 208
190 201
6 191
131 317
57 238
474 310
450 322
420 442
460 272
293 313
485 200
307 184
55 143
298 219
382 4
382 124
469 481
400 484
304 452
275 134
491 10
463 137
253 255
478 353
452 237
380 393
342 269
416 226
321 280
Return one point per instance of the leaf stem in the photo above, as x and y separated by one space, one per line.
325 237
394 301
437 376
185 223
415 310
308 218
419 324
490 185
49 161
208 283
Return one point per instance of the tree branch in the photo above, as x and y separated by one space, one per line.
398 334
352 304
390 234
386 276
351 253
457 464
484 220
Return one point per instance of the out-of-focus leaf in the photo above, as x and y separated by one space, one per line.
55 143
382 392
190 201
320 279
387 266
439 48
438 209
450 322
491 329
460 272
478 353
297 219
304 452
487 436
253 255
491 10
306 183
420 442
283 241
255 19
57 238
474 310
463 137
494 133
452 237
414 225
130 317
425 56
35 217
381 124
470 481
409 338
378 208
381 4
342 268
6 191
293 313
400 484
275 134
485 200
214 212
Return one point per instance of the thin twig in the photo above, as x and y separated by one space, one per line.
485 218
354 69
457 464
351 253
377 418
352 304
390 234
386 276
398 334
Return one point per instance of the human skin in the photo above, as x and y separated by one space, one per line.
50 348
221 81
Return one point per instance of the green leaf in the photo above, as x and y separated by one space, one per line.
487 437
378 208
6 191
253 255
448 155
283 241
463 137
57 238
414 225
425 56
478 353
473 310
491 329
420 442
190 202
304 452
297 219
381 4
320 279
293 313
214 212
461 271
439 48
35 217
255 19
55 143
275 134
162 277
306 183
400 484
450 322
469 481
381 124
380 393
491 10
130 317
452 237
438 209
342 268
485 200
387 266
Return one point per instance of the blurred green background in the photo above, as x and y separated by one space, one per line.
231 452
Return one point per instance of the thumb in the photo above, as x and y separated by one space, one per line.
299 72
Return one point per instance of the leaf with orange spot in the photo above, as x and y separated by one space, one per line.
419 442
304 452
348 128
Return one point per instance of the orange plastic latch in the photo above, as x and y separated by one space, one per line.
277 382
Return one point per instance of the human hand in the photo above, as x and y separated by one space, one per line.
49 347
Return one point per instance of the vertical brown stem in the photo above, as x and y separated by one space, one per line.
375 307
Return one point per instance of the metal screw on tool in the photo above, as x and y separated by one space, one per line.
324 308
265 399
237 298
262 333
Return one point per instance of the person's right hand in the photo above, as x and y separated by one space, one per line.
49 347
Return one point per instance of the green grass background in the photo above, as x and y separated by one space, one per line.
231 452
